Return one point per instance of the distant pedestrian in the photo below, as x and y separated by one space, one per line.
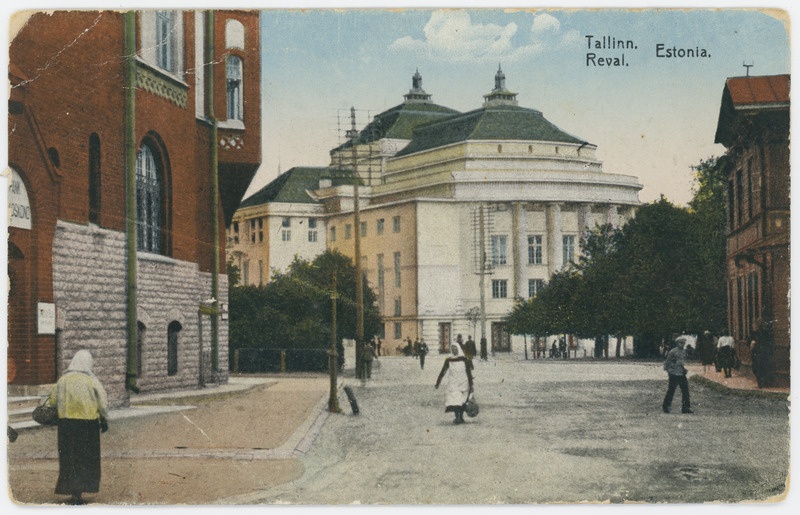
82 416
676 370
459 382
705 349
562 348
484 352
469 350
416 348
378 347
726 355
762 356
367 356
423 351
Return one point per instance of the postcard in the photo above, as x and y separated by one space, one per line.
421 256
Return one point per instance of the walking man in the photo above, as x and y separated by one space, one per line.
674 366
423 351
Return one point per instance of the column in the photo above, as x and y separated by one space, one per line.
555 255
584 211
518 230
611 215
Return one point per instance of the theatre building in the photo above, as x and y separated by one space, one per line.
754 127
132 137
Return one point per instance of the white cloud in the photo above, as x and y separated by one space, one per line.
451 34
545 24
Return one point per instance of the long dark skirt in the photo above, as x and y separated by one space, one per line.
457 408
78 456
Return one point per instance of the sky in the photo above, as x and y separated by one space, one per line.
653 118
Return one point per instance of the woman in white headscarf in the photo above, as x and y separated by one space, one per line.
726 355
459 382
82 413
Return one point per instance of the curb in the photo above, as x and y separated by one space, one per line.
741 392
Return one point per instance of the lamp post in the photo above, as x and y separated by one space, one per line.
333 399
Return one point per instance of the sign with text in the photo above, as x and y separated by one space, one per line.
19 208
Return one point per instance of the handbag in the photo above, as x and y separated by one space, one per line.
45 414
471 406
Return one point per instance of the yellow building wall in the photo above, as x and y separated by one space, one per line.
386 244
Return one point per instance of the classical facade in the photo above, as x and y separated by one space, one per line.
475 209
281 222
132 137
754 127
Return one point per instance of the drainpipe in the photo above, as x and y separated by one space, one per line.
209 76
129 23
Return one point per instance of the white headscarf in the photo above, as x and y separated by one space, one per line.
81 362
725 341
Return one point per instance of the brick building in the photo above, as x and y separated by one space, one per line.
754 127
129 153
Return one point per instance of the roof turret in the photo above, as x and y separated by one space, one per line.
416 93
500 95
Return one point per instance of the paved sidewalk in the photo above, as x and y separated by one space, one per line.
194 446
741 382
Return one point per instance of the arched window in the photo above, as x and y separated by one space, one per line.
141 332
172 347
234 88
149 201
94 179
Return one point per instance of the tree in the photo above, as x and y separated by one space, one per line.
473 316
293 310
662 274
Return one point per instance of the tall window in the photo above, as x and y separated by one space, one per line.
498 250
312 229
165 40
172 347
535 249
94 179
499 288
363 229
534 287
246 273
398 330
260 230
348 231
234 84
380 272
396 224
397 307
379 226
569 249
397 269
149 202
333 233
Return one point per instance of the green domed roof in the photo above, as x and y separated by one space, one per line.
493 122
399 122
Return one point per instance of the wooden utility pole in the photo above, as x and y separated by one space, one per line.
352 135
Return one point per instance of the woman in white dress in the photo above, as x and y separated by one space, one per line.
459 382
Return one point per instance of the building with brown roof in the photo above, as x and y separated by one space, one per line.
754 127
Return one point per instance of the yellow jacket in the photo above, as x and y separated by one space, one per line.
79 395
